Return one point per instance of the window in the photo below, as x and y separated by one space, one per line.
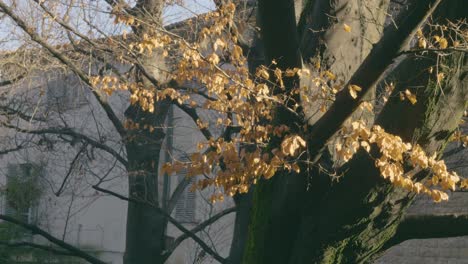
22 192
185 207
65 92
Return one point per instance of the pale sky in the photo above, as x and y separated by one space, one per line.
97 14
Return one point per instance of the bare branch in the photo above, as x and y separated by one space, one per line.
6 151
415 51
120 3
74 134
368 74
194 115
197 229
38 231
36 38
70 169
11 81
429 226
11 111
62 23
33 245
173 221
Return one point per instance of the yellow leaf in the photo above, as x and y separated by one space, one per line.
303 72
411 97
323 108
419 33
291 144
219 44
330 75
279 77
443 43
464 184
262 72
166 168
346 27
290 72
439 196
366 105
440 76
270 172
422 43
418 187
402 96
296 168
365 145
193 104
353 90
213 58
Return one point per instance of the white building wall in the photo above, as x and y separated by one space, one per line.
81 215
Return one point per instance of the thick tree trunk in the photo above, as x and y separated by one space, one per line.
274 207
146 227
362 212
253 49
349 221
278 202
324 41
244 207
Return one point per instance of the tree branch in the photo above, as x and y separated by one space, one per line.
429 226
36 38
197 229
415 51
38 231
173 221
194 115
11 111
72 165
368 74
6 151
76 135
11 81
41 247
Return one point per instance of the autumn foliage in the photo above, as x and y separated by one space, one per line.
248 102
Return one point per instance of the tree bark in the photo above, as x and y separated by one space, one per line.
145 234
356 217
145 226
273 207
350 221
429 226
360 213
243 210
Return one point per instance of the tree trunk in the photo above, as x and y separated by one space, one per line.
362 212
145 235
307 218
145 226
253 50
243 208
277 203
324 41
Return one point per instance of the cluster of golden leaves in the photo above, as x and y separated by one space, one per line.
139 93
240 168
217 63
449 35
393 155
458 136
246 101
435 42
